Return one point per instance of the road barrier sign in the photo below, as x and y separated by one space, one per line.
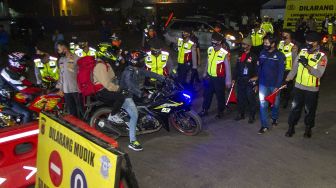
75 157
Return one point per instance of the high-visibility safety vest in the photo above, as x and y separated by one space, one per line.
157 64
216 65
330 28
286 49
82 53
49 69
184 54
267 27
257 37
303 76
73 47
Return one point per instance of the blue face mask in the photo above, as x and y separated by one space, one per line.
267 47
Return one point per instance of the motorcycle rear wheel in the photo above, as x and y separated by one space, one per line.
188 123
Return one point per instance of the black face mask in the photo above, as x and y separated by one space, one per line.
62 54
155 52
284 38
267 47
309 47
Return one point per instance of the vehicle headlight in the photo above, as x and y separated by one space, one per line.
230 37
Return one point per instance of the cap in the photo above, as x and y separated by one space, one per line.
313 37
247 41
187 30
217 37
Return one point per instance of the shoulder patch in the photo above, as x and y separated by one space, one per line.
165 53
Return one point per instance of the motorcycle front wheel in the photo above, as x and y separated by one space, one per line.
188 123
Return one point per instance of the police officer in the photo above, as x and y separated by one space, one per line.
257 36
290 50
85 50
114 54
186 56
245 76
73 45
218 74
157 59
149 34
267 26
308 68
46 69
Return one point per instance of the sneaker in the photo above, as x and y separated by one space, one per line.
135 145
263 130
274 122
115 118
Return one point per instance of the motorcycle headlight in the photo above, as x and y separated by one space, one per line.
230 37
187 97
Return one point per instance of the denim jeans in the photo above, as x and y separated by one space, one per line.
132 111
264 92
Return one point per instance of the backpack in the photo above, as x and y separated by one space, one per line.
85 76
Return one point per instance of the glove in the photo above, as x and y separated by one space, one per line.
304 61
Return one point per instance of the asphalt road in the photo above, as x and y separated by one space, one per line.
231 154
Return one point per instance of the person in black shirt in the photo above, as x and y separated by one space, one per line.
245 76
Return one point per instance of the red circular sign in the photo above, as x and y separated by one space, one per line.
55 168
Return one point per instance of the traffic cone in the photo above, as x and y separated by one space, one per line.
271 98
232 96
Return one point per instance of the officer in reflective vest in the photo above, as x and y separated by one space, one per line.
46 70
73 45
85 50
330 28
308 68
257 36
156 59
267 26
186 56
217 74
290 50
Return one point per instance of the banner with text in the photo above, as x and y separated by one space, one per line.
66 158
318 8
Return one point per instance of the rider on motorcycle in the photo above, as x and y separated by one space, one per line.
12 80
132 81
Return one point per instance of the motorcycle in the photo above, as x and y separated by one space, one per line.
50 102
164 107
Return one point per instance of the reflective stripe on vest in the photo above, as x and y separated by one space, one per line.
184 51
157 64
49 69
303 76
257 37
330 28
82 53
286 49
216 65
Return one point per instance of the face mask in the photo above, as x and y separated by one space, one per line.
185 36
284 38
309 47
267 47
155 52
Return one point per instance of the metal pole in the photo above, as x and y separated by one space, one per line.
52 7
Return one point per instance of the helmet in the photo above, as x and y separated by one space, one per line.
116 41
136 58
17 61
155 46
